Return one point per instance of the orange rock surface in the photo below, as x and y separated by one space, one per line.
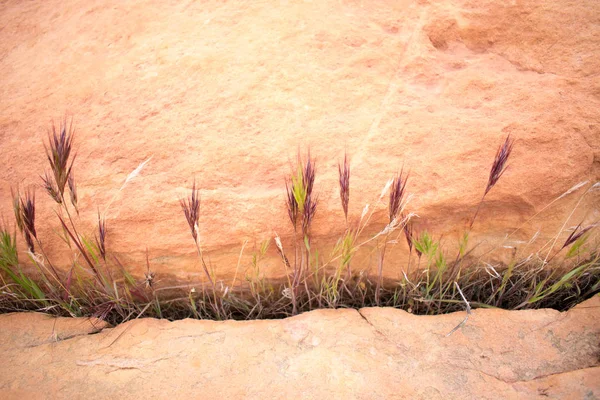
227 92
373 353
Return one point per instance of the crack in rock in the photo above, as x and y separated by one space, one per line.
380 333
121 363
514 381
57 338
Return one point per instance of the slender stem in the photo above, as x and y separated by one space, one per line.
75 236
380 273
458 257
476 211
563 227
305 268
48 260
217 305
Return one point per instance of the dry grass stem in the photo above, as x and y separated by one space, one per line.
464 321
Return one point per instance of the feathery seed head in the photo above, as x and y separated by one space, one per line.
58 152
73 190
301 204
408 234
292 204
344 177
101 238
576 234
51 188
191 209
397 192
500 163
24 208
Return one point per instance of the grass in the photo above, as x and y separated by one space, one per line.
98 284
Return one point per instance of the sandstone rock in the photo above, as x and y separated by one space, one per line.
24 328
227 93
340 354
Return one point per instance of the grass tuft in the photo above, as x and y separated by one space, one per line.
191 210
98 284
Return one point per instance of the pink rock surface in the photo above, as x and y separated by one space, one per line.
226 93
335 354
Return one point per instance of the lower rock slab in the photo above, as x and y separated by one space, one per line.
372 353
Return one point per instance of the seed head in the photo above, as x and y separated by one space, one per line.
576 234
101 238
500 163
58 152
292 204
24 208
344 174
191 209
73 190
51 188
397 192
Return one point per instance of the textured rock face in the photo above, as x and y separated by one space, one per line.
226 93
338 354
